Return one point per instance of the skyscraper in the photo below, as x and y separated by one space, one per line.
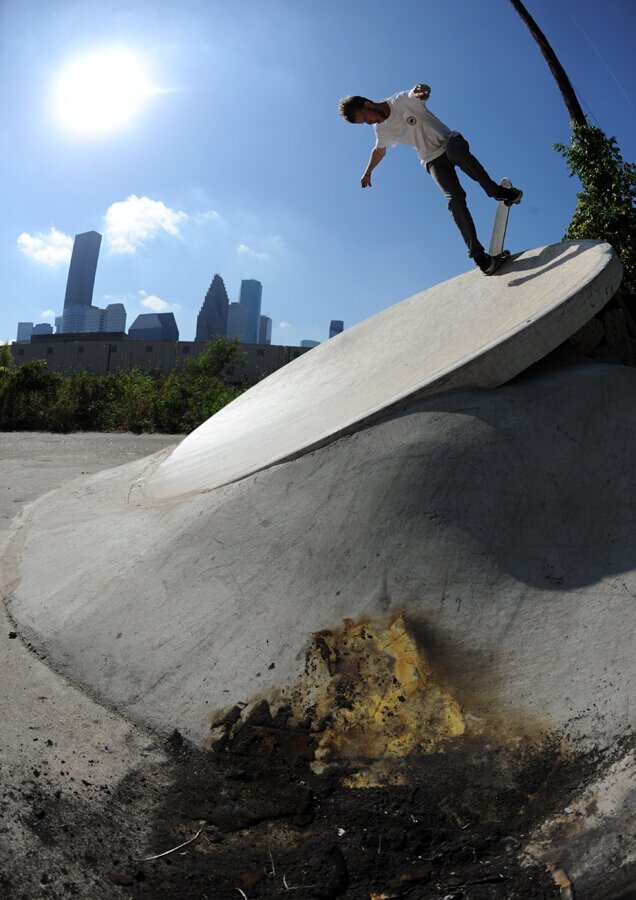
78 300
74 319
81 273
25 330
114 319
265 330
237 321
251 293
336 326
212 318
154 327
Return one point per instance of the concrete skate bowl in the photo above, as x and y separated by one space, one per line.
448 589
470 331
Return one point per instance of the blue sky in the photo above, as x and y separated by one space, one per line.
238 163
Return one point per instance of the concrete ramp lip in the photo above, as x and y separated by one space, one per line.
468 332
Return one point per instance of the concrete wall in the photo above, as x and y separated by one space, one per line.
102 356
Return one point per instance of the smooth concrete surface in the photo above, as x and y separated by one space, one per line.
471 331
503 520
486 531
48 726
498 523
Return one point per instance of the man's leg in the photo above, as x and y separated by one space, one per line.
458 152
445 176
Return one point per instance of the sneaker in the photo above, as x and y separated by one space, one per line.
489 264
510 195
516 195
485 262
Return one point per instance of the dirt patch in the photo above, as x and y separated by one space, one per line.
255 821
364 779
267 825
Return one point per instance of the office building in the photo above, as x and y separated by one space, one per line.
336 326
114 318
25 330
73 319
154 327
81 273
42 328
307 345
89 319
265 330
250 297
93 319
237 321
212 318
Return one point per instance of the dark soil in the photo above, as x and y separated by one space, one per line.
260 824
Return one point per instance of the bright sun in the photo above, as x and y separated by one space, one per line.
101 91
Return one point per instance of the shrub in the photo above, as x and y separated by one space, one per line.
605 207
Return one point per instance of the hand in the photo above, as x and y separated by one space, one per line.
422 91
365 181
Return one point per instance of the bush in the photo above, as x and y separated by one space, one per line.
605 207
33 398
26 396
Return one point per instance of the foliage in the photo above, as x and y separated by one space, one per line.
6 357
26 394
605 207
34 398
221 358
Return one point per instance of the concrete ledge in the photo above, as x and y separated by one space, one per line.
471 331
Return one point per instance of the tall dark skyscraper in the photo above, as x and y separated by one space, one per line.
81 273
336 326
236 321
265 330
212 319
251 293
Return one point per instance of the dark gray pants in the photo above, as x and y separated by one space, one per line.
443 171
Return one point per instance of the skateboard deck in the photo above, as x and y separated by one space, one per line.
501 223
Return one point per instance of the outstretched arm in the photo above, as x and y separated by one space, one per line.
421 91
377 156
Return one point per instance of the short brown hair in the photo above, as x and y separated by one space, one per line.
350 106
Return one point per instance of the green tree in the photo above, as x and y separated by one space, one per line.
134 401
605 208
221 358
6 358
27 396
34 398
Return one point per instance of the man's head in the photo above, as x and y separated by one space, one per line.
362 111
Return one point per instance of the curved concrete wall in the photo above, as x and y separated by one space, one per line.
470 331
499 523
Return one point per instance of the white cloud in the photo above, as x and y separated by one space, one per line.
269 244
52 249
209 216
156 304
244 250
131 223
285 325
48 314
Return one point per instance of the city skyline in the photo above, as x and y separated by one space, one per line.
178 190
217 316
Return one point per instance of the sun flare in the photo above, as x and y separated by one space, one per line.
101 91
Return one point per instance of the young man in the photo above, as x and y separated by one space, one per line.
405 119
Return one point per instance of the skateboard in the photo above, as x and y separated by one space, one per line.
499 228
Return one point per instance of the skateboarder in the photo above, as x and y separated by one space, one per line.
405 119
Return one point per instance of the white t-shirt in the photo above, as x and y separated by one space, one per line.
410 122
